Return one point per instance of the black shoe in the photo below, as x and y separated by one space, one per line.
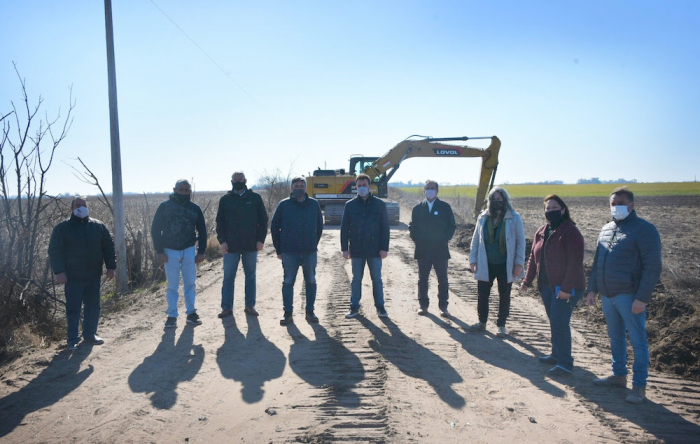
352 313
287 318
95 340
73 346
171 322
310 316
194 319
381 312
549 359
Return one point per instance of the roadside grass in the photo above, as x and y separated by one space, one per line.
574 190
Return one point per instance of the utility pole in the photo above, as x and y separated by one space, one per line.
122 284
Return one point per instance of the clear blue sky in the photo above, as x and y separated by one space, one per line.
574 89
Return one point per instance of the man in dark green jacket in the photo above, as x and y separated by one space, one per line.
241 228
177 225
432 226
78 248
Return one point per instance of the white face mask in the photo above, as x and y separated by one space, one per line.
81 212
430 194
363 191
619 212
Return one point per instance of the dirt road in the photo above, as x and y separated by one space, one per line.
406 379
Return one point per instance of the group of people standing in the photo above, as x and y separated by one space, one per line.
626 267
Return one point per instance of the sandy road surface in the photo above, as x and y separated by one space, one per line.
406 379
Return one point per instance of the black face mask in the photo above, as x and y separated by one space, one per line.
181 198
495 206
553 217
238 186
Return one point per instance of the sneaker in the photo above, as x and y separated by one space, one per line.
549 359
444 313
422 311
310 316
637 395
225 313
479 326
352 313
194 319
73 346
612 381
502 333
381 312
171 322
95 340
558 371
287 318
251 311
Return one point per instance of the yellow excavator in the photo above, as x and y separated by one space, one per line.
332 188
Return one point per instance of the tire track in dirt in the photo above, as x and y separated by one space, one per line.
348 378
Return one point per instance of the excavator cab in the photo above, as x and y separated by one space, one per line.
360 164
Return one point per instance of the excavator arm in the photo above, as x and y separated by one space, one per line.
389 163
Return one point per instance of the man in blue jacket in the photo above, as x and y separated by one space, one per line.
626 268
432 226
177 225
364 238
296 229
78 248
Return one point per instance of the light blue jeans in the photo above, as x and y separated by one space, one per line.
358 271
291 263
619 317
231 261
181 261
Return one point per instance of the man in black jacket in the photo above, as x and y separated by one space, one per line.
177 225
432 226
77 249
364 238
241 228
626 267
296 229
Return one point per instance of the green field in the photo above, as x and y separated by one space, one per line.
639 189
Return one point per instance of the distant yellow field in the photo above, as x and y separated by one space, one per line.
639 189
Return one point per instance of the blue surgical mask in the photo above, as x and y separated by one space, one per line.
430 194
619 212
362 191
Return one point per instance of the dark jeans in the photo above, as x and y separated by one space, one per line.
79 293
559 314
424 267
291 264
375 272
496 271
231 260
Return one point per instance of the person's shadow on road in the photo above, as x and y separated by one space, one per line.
57 380
326 363
415 360
606 404
252 359
170 364
499 353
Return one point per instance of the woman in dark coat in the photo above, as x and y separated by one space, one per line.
556 260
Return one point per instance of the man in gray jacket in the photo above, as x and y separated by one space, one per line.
626 268
177 225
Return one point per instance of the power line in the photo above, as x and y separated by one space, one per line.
205 53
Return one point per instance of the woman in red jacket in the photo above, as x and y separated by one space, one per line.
557 261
